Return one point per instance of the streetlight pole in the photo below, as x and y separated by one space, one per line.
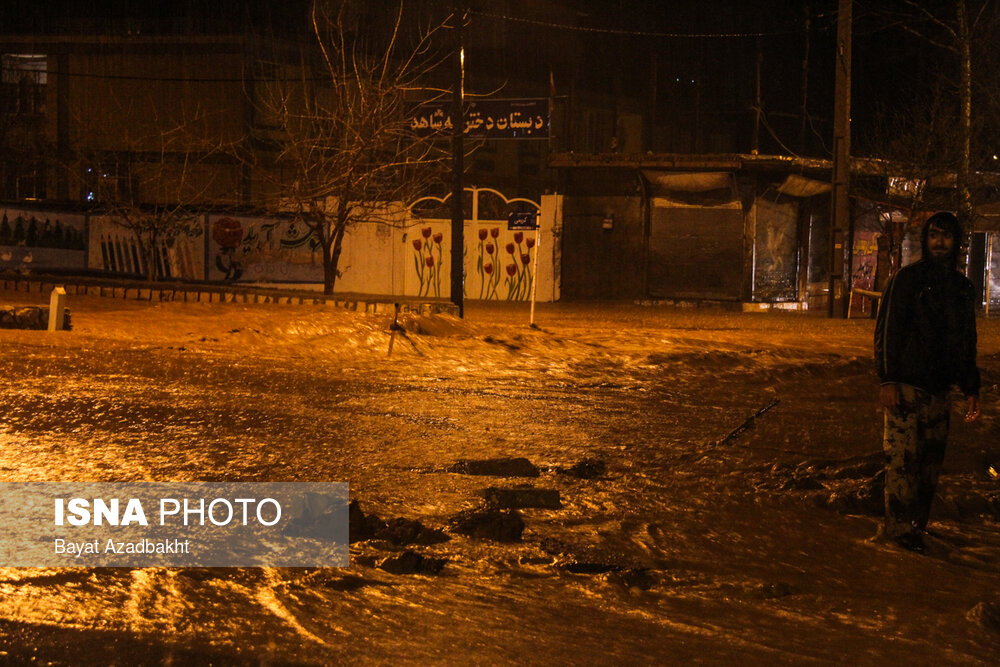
458 167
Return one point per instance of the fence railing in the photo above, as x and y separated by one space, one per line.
203 293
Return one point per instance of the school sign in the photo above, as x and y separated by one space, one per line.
485 119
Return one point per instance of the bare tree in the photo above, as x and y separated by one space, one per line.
151 188
931 147
917 148
333 143
964 30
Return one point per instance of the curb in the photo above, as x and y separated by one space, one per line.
188 293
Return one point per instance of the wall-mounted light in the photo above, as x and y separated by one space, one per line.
609 222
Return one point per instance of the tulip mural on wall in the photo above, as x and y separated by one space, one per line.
504 273
499 263
504 262
427 257
487 263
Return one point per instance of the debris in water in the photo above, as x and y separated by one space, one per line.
588 567
632 578
588 468
502 467
401 531
868 499
522 496
397 531
749 422
489 523
986 615
411 562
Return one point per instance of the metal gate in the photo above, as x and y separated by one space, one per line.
695 251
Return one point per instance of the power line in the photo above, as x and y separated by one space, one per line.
124 77
163 79
635 33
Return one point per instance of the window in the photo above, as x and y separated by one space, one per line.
23 82
21 181
108 182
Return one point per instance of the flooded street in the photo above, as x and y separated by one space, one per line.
669 543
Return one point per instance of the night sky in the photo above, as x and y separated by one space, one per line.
684 61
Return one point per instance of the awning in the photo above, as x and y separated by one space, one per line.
688 182
800 186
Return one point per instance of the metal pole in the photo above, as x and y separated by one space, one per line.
755 147
534 279
805 86
840 238
989 269
458 167
393 328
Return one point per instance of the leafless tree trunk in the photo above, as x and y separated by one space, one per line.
956 34
333 146
963 46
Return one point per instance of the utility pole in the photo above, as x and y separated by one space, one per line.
755 147
805 84
458 167
840 223
964 48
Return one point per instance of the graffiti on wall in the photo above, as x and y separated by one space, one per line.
115 249
866 272
253 249
32 240
865 260
775 251
409 254
991 287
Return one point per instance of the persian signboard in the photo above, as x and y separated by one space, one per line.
485 119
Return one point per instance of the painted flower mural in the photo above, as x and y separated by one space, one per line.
427 255
501 260
228 234
489 279
514 274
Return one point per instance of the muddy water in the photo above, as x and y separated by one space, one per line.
685 549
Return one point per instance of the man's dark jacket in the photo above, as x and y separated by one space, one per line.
925 333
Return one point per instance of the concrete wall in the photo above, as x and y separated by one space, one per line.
399 255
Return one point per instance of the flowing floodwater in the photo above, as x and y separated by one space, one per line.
677 545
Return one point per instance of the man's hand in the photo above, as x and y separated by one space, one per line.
888 396
972 414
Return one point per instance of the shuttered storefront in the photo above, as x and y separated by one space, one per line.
695 251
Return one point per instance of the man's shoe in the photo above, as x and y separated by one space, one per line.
911 542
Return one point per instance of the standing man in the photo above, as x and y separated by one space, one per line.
925 343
